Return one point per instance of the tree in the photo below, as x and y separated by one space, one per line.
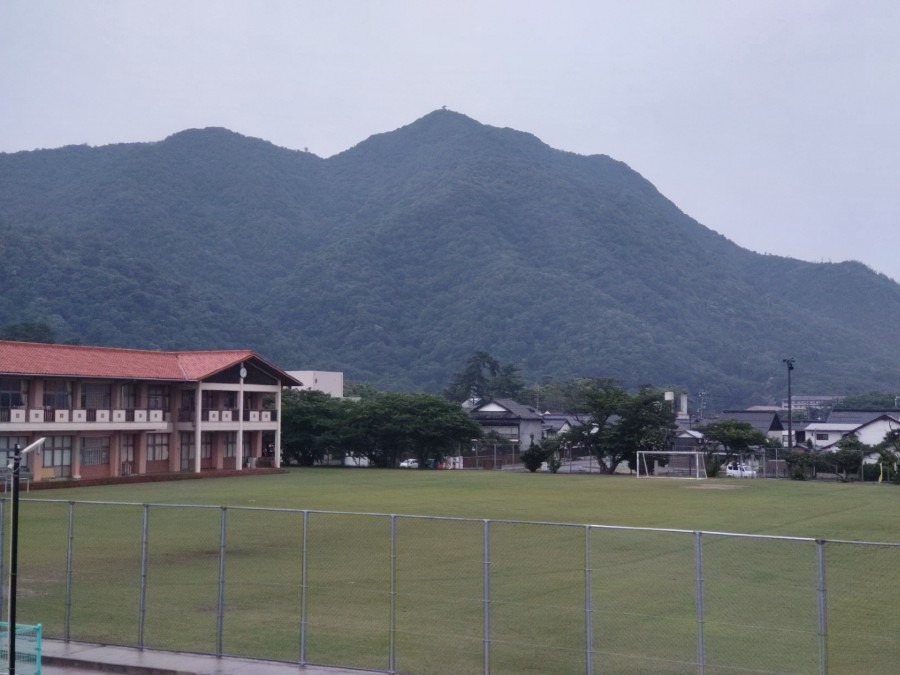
730 437
534 457
848 458
618 424
483 376
889 451
385 427
311 424
507 383
472 382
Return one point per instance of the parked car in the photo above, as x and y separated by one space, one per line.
735 470
409 464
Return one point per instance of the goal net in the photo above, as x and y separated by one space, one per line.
674 464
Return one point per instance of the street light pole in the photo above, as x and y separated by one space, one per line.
790 366
14 549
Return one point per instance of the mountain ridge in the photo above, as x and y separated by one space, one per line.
397 258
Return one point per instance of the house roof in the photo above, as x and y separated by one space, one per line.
52 360
859 417
556 421
761 420
511 410
826 426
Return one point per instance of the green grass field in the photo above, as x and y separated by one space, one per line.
760 595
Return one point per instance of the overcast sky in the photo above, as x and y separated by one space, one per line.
774 122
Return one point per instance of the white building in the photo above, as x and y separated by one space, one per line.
328 382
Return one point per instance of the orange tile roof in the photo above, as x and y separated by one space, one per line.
30 358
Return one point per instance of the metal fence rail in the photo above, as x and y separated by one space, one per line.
421 594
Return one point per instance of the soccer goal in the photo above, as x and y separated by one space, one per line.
674 464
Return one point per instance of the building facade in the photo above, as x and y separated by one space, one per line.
116 412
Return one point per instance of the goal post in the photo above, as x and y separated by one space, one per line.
673 464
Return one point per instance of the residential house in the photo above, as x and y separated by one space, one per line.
519 425
556 424
871 432
818 435
112 412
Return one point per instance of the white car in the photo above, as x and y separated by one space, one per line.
409 464
735 470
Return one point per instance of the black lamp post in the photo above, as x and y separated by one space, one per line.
14 549
790 366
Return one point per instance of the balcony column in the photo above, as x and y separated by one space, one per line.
277 451
140 453
198 415
76 456
239 450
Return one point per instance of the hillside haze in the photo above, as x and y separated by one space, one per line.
395 260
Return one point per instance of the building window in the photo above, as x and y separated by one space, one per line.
208 400
157 447
229 400
13 392
129 396
126 453
187 445
58 394
205 445
8 448
94 451
231 444
157 397
57 455
821 436
95 396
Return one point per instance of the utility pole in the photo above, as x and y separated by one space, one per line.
790 366
15 466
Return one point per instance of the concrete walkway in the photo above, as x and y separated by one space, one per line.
67 657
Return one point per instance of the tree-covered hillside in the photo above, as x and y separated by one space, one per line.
397 259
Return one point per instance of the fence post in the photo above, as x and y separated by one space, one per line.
142 593
70 546
304 585
823 616
392 666
220 611
588 610
698 570
487 597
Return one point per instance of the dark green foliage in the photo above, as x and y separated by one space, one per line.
873 400
483 376
395 260
311 427
733 437
726 438
385 427
533 458
29 331
618 424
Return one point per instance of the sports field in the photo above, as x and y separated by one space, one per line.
760 595
794 508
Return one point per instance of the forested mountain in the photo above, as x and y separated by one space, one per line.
397 259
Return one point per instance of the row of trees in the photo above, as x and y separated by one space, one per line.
380 427
612 425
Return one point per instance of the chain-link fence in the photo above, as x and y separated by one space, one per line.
416 594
